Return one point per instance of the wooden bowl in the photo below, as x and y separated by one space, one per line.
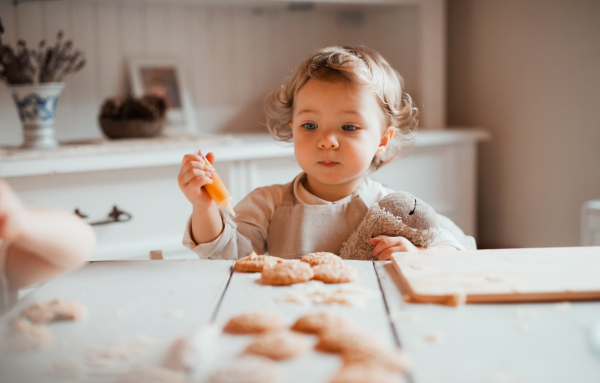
131 128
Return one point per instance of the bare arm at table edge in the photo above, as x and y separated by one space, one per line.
48 242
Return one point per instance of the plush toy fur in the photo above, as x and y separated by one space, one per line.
397 214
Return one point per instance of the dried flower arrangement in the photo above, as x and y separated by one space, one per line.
133 117
46 64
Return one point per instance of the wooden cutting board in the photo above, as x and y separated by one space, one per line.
507 275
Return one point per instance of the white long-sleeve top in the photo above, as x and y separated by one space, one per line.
248 231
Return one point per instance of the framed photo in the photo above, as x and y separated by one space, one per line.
164 77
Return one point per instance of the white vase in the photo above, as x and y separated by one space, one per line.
36 105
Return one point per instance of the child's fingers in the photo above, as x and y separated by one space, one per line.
386 255
385 242
381 243
194 168
190 157
197 175
211 157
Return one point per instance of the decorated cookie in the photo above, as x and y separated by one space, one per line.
364 372
334 274
256 263
256 322
279 345
315 323
55 310
322 258
337 340
287 273
247 369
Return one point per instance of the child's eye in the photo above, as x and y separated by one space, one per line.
349 128
310 126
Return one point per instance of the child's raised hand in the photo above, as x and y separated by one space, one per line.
385 246
194 174
12 213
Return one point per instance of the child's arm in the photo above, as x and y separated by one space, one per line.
43 242
207 224
385 246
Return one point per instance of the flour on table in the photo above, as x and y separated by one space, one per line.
152 375
116 357
175 314
316 292
562 306
409 317
70 368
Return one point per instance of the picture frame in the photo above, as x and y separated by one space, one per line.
163 76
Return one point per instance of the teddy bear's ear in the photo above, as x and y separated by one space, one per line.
414 212
423 216
398 203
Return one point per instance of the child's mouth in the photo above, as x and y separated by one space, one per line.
328 164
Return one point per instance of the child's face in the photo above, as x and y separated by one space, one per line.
337 129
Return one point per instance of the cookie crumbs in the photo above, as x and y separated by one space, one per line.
410 317
532 313
417 345
434 337
523 327
519 313
562 306
68 368
175 314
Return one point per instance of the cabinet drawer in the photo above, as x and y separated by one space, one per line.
151 195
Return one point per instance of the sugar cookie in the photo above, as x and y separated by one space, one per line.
255 323
287 273
256 263
322 258
315 323
364 372
27 336
55 310
345 340
279 345
393 360
329 273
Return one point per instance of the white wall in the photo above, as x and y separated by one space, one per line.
529 71
231 55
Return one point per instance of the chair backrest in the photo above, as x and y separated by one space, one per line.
590 223
466 240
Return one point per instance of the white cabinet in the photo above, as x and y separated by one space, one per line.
140 177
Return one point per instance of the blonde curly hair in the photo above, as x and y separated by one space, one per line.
357 66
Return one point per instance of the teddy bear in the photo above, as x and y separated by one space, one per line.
397 214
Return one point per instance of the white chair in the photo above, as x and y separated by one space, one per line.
590 223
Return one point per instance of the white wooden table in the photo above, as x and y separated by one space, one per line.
161 300
148 302
527 342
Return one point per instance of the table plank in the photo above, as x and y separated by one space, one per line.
160 299
244 294
539 342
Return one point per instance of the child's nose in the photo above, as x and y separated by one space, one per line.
328 141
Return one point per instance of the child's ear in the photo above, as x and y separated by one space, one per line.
385 141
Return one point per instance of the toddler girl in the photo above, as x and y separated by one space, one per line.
347 115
